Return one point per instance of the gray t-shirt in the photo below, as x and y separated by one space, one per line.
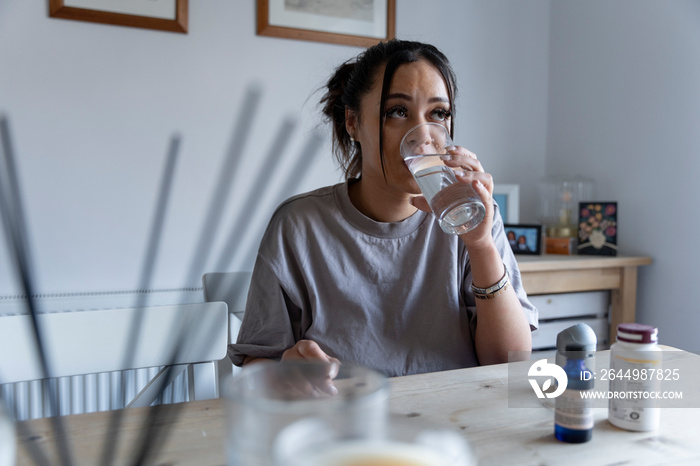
391 296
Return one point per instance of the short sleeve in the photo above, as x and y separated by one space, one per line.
267 330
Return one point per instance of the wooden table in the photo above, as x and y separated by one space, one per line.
553 273
473 401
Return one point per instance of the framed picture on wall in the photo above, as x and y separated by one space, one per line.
361 24
164 15
507 196
524 239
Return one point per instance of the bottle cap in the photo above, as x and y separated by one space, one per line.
637 333
578 341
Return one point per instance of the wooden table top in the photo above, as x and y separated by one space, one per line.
473 401
552 262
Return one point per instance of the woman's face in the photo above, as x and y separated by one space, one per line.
417 94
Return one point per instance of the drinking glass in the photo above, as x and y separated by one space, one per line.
266 397
455 204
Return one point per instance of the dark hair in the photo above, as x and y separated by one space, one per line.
354 78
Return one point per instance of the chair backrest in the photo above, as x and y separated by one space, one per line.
96 341
232 289
229 287
85 342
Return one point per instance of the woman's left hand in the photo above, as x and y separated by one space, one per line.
468 169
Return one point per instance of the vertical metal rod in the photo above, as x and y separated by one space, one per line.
147 268
17 235
254 196
151 438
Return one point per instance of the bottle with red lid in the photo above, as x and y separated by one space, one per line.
635 361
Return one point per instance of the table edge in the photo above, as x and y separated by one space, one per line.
554 262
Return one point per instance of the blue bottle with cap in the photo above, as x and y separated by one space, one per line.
573 412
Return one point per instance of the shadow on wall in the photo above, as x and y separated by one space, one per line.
15 228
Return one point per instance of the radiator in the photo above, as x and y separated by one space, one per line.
92 392
87 393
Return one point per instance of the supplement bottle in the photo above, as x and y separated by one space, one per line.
635 367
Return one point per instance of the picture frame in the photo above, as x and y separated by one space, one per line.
335 22
524 238
507 196
597 228
163 15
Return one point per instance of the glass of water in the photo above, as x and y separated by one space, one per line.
265 398
455 204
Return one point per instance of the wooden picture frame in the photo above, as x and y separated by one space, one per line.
340 27
527 239
150 16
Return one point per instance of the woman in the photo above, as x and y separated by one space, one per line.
361 271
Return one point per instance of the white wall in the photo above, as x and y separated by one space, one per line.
598 88
92 107
624 108
500 51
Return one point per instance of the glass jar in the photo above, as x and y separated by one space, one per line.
559 201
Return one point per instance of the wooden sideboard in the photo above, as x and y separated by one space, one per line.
552 274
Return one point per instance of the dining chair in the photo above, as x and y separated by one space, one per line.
87 349
231 288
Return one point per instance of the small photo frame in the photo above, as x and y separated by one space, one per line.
597 228
524 239
507 196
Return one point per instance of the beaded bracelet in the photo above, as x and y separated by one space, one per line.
494 290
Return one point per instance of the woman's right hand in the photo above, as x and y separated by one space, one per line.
307 350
